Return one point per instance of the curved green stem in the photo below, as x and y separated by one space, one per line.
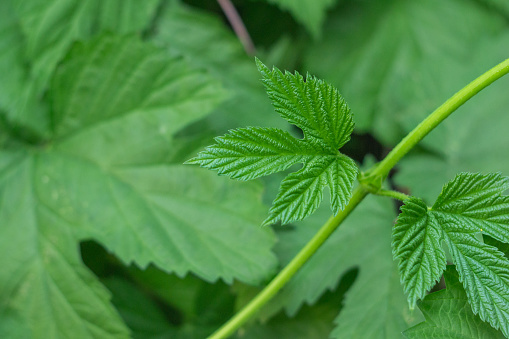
435 118
289 271
379 171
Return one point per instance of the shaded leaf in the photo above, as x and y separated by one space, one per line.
108 174
380 54
375 306
311 13
448 315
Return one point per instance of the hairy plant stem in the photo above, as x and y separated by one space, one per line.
379 171
392 194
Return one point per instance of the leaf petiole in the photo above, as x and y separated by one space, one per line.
392 194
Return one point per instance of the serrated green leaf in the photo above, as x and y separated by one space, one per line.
301 192
322 114
448 315
45 289
314 106
475 201
468 205
138 168
249 153
311 13
416 240
484 272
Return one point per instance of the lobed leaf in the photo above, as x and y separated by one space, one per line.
468 205
322 114
416 240
448 315
108 174
301 192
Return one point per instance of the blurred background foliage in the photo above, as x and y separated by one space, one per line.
196 254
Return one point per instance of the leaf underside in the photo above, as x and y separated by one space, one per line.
326 122
468 205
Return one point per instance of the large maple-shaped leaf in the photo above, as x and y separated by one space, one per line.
45 290
448 315
469 204
375 306
108 173
35 35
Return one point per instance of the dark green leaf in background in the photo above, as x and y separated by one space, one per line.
189 32
448 315
107 174
375 307
311 13
36 34
378 53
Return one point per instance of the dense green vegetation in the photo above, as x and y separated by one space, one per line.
105 233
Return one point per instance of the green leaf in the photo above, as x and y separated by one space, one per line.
253 152
188 31
395 59
311 13
416 240
108 174
475 201
37 34
322 114
448 315
468 205
157 203
314 106
45 289
301 192
375 306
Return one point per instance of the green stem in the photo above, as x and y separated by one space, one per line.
435 118
392 194
289 271
380 170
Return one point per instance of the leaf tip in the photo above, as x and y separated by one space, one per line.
192 161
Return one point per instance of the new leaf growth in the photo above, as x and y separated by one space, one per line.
321 113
